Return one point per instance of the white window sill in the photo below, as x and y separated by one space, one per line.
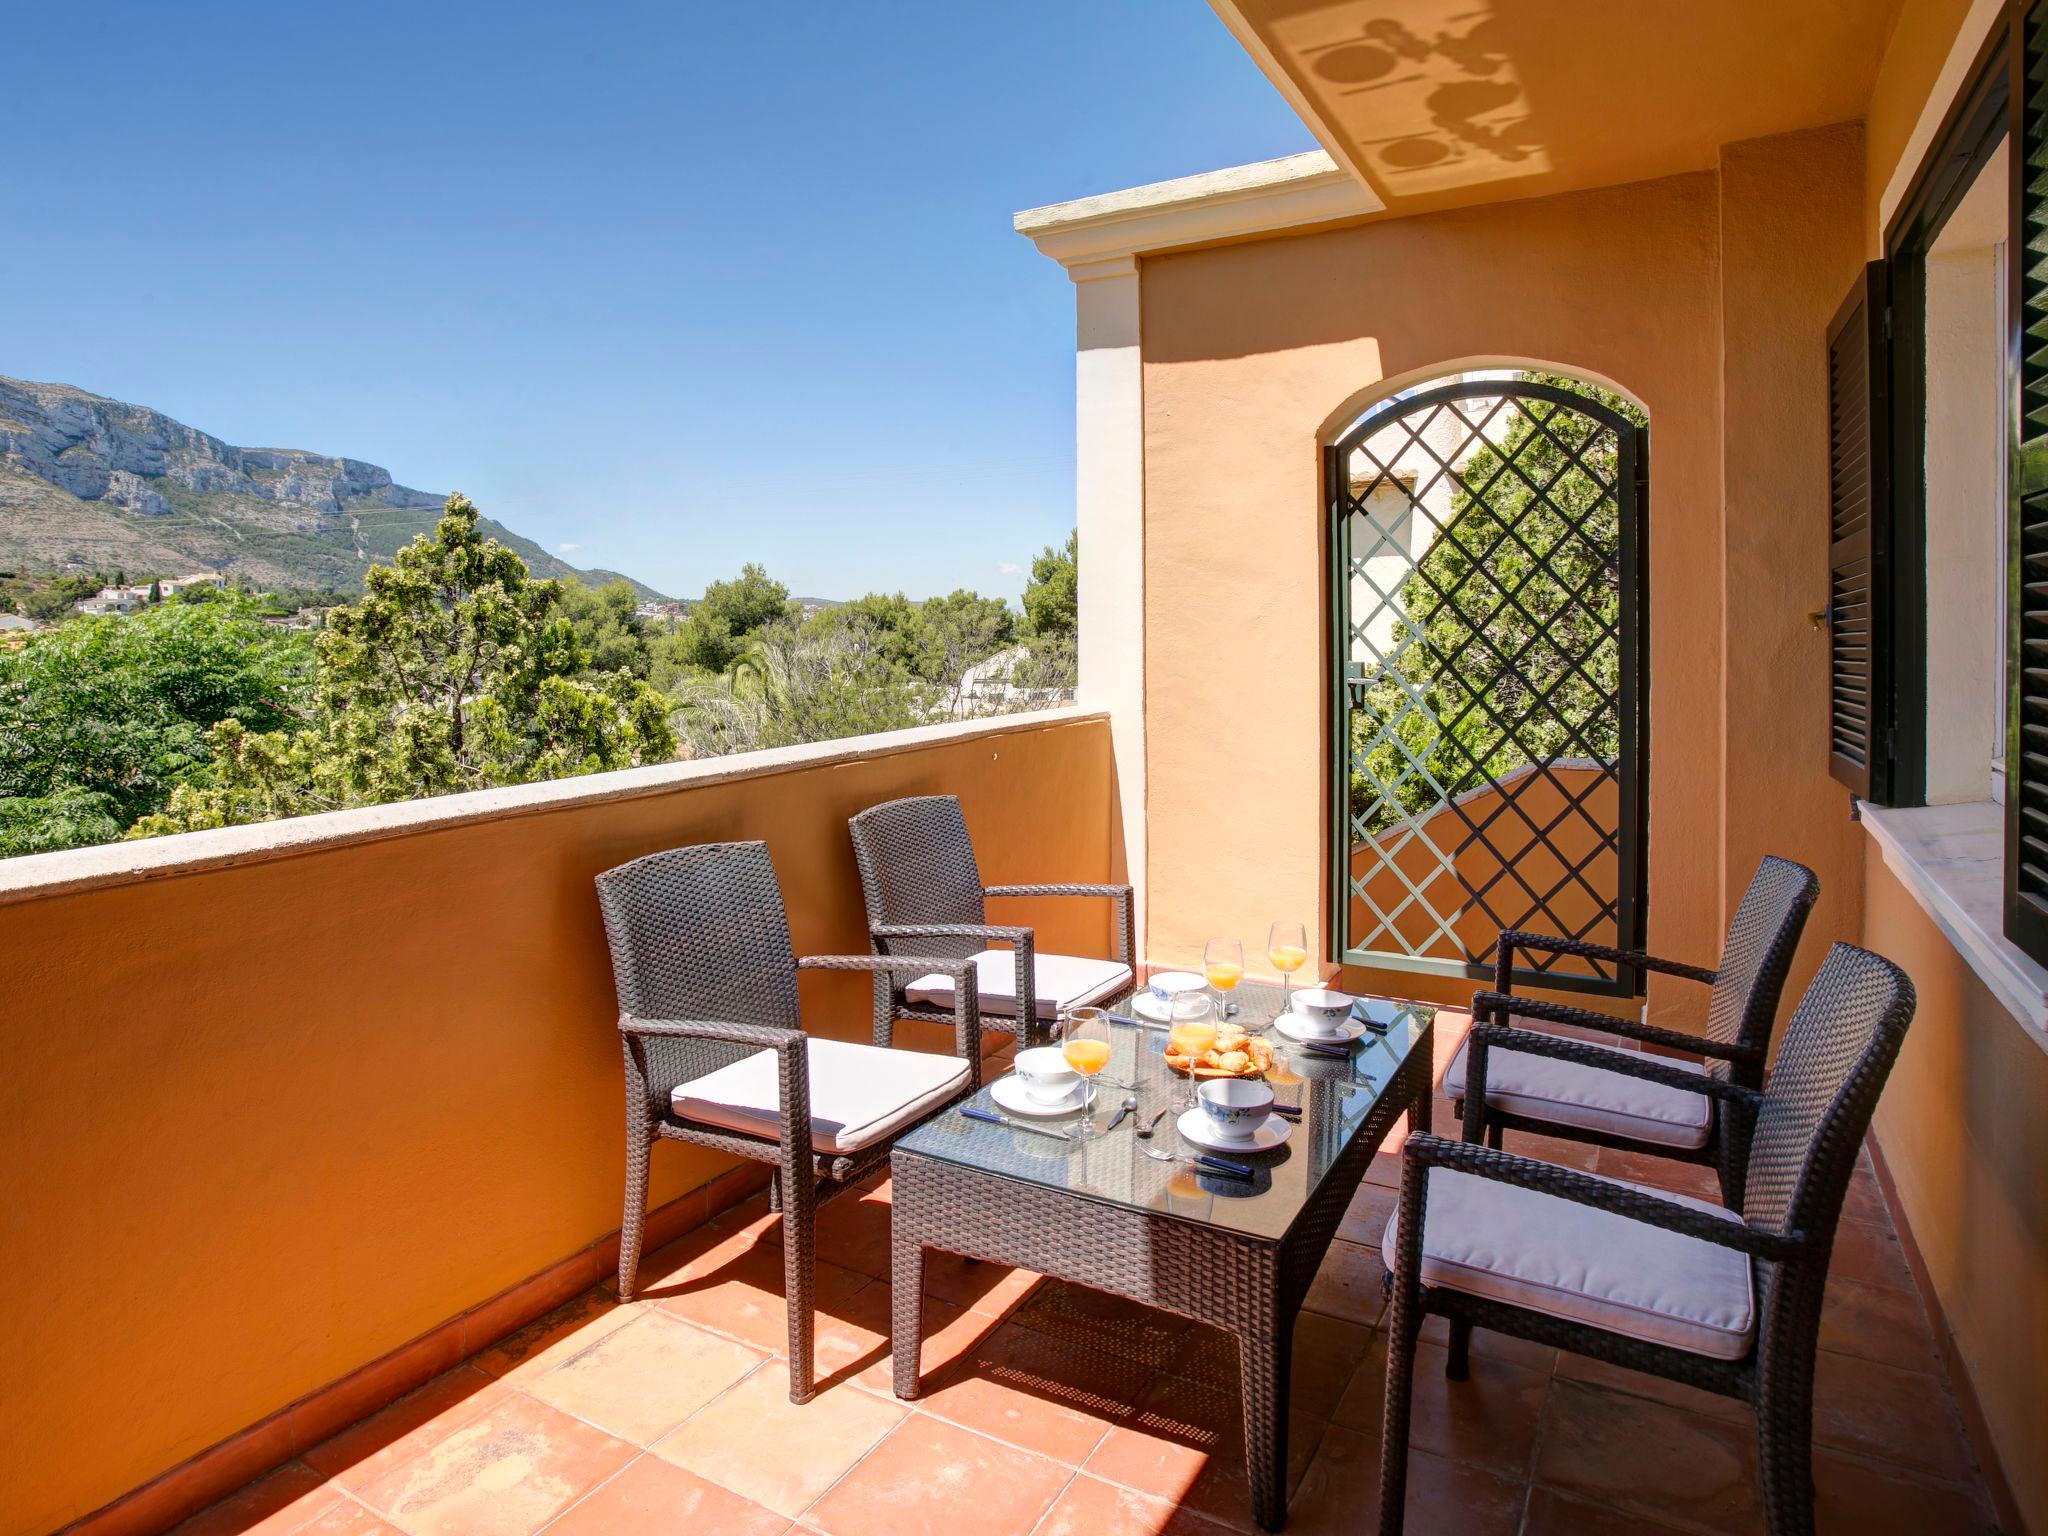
1951 858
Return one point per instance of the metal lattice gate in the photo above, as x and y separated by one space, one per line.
1489 690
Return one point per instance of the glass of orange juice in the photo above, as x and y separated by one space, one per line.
1084 1041
1287 948
1193 1031
1223 969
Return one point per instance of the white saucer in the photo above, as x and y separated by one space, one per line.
1268 1134
1294 1027
1008 1091
1157 1009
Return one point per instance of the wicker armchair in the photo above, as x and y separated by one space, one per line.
923 890
1727 1300
716 1055
1494 1088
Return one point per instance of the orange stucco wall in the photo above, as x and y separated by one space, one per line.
281 1118
1963 1125
1666 289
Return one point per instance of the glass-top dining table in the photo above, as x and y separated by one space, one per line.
1238 1253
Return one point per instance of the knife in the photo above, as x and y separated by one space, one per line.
1136 1023
992 1118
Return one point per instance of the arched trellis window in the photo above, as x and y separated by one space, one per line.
1490 689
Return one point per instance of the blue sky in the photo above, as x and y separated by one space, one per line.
673 284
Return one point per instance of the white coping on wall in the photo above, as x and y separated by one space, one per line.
1261 198
1951 858
36 876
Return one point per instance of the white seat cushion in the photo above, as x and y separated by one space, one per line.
1572 1261
1566 1093
1062 981
859 1093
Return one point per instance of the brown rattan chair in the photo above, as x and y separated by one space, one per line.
1623 1109
923 890
716 1054
1726 1300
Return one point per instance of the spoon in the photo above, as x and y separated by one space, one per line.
1130 1103
1152 1125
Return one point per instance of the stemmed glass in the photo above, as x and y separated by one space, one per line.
1287 948
1086 1045
1223 969
1193 1031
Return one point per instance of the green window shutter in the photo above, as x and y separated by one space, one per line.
1859 529
2026 750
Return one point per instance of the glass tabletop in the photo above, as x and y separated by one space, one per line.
1335 1096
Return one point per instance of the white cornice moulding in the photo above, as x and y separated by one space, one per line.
1088 235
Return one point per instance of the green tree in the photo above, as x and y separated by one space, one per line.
795 684
102 718
717 629
1050 597
455 671
611 632
1519 588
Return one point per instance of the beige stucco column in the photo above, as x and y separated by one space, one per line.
1100 240
1109 517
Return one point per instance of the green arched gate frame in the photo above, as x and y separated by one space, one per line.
1489 679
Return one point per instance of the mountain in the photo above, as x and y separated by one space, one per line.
92 484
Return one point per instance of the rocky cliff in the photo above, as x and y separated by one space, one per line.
88 483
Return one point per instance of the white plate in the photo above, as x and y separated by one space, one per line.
1009 1092
1294 1027
1268 1134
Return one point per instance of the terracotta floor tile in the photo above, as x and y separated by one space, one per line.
277 1503
1875 1322
1488 1420
511 1469
1365 1218
853 1232
744 1299
948 1331
1903 1418
933 1476
1327 1351
1552 1514
1186 1444
1350 1285
1489 1345
1385 1171
416 1422
1090 1507
640 1381
1659 1173
1870 1254
1340 1496
652 1497
756 1442
851 1336
547 1341
990 1289
1673 1394
346 1517
1031 1390
1110 1324
1857 1497
1645 1458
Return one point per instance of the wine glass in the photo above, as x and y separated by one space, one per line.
1084 1041
1192 1032
1223 969
1287 948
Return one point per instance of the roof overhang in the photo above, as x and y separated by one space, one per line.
1441 103
1095 235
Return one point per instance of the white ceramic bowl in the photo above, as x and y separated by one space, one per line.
1046 1075
1235 1105
1324 1011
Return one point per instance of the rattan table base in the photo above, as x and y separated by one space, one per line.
1248 1287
